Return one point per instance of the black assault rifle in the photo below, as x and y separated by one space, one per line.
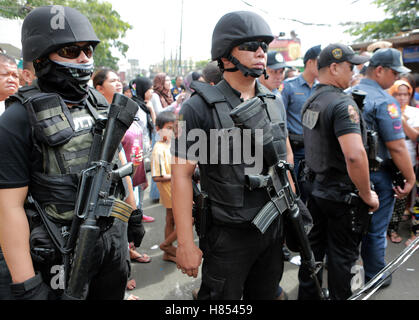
96 196
251 115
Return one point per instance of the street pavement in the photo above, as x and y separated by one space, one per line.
161 280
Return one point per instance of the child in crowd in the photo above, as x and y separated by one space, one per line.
161 174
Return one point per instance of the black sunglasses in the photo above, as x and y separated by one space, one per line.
253 46
72 52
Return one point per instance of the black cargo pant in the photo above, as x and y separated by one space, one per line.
242 263
111 264
332 235
109 269
5 280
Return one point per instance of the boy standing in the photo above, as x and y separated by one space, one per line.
161 174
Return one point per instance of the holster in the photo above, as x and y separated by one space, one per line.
201 212
305 174
43 250
296 140
396 176
360 214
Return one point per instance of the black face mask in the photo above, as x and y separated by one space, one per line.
69 80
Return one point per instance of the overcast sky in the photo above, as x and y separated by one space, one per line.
156 23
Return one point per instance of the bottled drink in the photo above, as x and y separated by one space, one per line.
135 152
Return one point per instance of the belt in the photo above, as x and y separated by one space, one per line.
297 137
121 210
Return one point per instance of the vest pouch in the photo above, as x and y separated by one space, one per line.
50 118
279 135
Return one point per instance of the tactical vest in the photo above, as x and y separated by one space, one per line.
323 153
231 201
64 139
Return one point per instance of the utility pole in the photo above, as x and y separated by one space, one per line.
180 41
164 52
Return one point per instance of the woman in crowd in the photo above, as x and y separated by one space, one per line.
162 97
402 92
410 78
141 89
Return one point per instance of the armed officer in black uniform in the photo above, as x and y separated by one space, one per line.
239 261
335 137
46 139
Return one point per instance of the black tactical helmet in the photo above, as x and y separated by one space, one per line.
235 28
48 28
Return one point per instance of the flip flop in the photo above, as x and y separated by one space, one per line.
143 258
394 237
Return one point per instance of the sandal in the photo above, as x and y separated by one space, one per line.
142 258
394 237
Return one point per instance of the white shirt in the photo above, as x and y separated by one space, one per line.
2 107
413 114
155 101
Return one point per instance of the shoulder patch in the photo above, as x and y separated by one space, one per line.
353 114
393 111
310 118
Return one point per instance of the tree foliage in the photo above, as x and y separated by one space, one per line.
106 22
199 65
402 16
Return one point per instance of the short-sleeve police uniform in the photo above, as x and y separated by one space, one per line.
328 115
294 94
382 114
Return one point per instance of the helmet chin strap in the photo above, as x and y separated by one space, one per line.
255 73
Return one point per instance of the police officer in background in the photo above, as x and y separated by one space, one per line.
294 94
239 261
382 114
334 140
46 163
275 69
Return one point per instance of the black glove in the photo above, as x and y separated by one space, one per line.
32 289
136 229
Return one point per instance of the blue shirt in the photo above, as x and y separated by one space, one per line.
295 93
382 114
176 91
